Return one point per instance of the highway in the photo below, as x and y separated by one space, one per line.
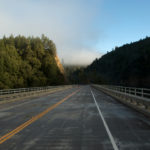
80 118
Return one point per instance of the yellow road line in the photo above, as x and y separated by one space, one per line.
33 119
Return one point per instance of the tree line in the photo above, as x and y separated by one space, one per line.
28 61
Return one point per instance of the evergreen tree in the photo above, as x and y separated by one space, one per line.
26 62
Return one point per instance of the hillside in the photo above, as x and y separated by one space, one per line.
31 61
128 65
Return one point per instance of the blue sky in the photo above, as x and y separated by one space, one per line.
124 21
81 29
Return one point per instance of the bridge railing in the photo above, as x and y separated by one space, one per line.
141 92
137 98
29 92
21 90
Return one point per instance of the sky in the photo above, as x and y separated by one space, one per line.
81 29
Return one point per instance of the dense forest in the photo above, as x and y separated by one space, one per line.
128 65
33 61
28 61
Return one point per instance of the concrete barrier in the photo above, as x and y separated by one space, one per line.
138 103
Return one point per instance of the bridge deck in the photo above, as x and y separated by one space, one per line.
74 123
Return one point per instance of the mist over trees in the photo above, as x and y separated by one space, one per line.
26 62
128 65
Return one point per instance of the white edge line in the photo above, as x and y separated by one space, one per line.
105 125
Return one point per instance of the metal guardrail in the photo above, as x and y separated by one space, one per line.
141 92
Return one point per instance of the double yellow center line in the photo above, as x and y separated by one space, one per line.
33 119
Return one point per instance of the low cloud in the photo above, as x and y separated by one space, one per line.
80 57
71 24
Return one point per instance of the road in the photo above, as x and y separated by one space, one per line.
74 119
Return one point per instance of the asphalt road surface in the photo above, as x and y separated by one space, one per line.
74 119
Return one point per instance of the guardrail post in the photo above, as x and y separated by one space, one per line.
135 91
142 92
